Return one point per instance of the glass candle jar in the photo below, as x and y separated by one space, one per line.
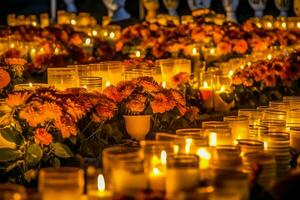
91 83
219 136
290 98
10 191
295 138
155 160
274 125
64 183
207 88
182 173
63 78
239 126
257 131
29 86
113 155
293 116
254 115
250 145
279 105
274 114
215 124
165 136
191 139
262 108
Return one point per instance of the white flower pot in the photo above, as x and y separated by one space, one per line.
137 126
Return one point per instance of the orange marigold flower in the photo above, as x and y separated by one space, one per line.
66 126
148 84
76 110
15 61
125 88
112 93
180 79
162 103
224 48
270 80
136 104
42 137
105 110
4 78
181 108
17 99
240 46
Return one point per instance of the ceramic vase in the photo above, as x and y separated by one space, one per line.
137 126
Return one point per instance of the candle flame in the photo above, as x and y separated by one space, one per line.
205 85
94 33
212 51
73 21
188 144
235 142
194 51
242 66
249 63
298 24
112 35
30 84
283 25
101 183
107 84
163 157
203 153
176 149
12 45
138 54
105 33
88 41
33 50
269 57
269 25
265 145
222 89
34 24
213 139
164 84
230 74
155 171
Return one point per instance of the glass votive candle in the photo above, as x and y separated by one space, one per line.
279 104
239 126
274 114
116 72
182 173
262 108
219 136
63 78
254 115
274 125
295 138
165 136
113 155
29 86
62 183
128 177
250 145
257 131
155 160
207 86
191 139
290 98
91 83
293 116
215 124
10 191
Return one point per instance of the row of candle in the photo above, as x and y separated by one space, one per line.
269 22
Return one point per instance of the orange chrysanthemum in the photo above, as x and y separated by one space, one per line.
42 137
180 78
224 48
162 103
4 78
17 99
136 104
66 126
240 46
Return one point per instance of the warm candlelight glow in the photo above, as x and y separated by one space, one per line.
101 183
188 144
212 51
203 153
164 84
138 54
298 24
34 24
265 145
88 41
205 85
269 25
213 139
105 33
176 149
73 21
30 84
155 171
283 25
94 33
107 84
222 89
163 157
12 45
242 66
269 57
42 50
194 51
112 35
33 50
56 51
230 74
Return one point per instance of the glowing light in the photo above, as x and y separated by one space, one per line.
138 54
107 84
222 89
205 85
94 33
249 63
73 21
34 23
12 45
213 139
112 35
30 84
212 51
203 153
176 149
88 41
269 57
269 25
265 145
236 142
164 84
101 183
42 50
188 144
105 33
283 25
194 51
155 171
56 51
298 24
230 74
163 157
33 50
242 66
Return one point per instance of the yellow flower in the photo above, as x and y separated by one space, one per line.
17 99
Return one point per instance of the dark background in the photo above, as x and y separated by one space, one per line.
97 9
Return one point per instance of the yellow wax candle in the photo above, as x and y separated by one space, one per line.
101 193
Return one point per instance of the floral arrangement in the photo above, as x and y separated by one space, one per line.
228 39
53 128
11 73
264 80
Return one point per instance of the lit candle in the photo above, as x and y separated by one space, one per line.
207 95
94 33
188 144
212 139
204 157
164 84
107 84
219 104
157 176
101 193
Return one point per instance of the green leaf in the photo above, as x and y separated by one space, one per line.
9 154
56 163
62 151
34 154
11 135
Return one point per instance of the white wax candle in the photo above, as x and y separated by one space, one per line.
157 180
